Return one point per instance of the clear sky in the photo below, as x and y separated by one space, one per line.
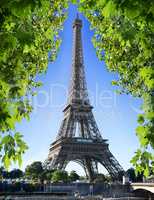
116 115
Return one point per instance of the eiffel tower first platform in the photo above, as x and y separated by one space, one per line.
79 138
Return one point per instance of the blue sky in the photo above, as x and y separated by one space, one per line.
116 115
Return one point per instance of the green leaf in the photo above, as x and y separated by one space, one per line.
19 158
110 9
140 119
115 83
6 161
133 12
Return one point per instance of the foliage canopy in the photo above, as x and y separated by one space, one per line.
34 170
59 175
28 31
73 176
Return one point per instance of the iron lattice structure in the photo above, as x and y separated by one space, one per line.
79 138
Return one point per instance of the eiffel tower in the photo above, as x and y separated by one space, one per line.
79 138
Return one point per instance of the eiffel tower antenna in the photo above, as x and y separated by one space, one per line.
78 87
79 138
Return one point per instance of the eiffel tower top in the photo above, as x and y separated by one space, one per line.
78 89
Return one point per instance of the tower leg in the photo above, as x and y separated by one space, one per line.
89 169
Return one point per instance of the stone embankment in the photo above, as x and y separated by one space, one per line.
36 198
121 198
69 198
